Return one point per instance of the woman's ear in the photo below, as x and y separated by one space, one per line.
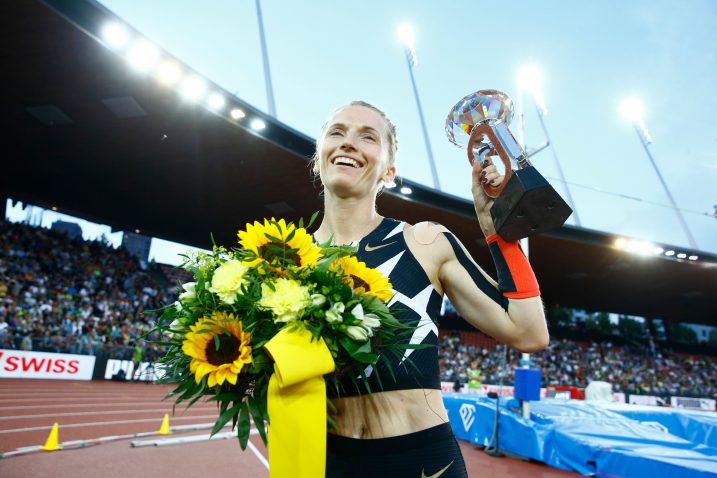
389 177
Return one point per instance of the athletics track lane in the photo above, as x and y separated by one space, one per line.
90 410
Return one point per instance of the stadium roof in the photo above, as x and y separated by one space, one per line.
83 133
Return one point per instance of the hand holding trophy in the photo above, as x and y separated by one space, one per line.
525 203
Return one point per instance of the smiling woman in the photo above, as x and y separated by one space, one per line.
394 424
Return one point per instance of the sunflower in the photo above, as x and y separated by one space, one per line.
294 245
364 279
221 363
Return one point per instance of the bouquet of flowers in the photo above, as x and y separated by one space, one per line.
219 333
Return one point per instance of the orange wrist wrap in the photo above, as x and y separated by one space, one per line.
516 279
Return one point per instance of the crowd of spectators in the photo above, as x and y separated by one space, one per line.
631 369
59 294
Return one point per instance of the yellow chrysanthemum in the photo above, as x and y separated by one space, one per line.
228 279
287 300
222 364
257 238
364 279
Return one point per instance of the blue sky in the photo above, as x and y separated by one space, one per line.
592 54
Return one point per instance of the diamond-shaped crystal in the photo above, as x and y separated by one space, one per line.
474 108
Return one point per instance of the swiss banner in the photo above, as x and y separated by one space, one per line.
22 364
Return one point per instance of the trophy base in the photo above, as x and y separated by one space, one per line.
528 205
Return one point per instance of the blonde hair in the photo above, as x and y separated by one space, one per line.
392 138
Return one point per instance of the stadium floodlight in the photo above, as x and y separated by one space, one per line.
237 114
657 250
168 73
620 243
115 35
405 34
632 109
406 190
137 231
193 88
640 247
681 255
693 258
216 101
143 55
670 253
257 124
530 80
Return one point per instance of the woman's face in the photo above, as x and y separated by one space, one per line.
354 152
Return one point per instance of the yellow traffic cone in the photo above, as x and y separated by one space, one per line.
51 443
164 429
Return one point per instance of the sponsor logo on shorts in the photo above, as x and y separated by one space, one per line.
436 474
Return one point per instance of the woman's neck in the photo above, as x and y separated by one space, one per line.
347 220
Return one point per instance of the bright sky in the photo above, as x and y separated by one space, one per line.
592 55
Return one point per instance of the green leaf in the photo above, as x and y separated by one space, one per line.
243 428
412 346
313 218
388 366
224 418
226 397
258 418
291 235
358 351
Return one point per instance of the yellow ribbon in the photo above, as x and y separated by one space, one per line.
296 403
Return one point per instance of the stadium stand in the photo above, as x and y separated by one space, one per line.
61 294
631 369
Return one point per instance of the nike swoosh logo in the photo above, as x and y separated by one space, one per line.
371 249
438 473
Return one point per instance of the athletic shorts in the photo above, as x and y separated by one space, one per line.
430 453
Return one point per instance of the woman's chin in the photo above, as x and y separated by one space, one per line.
346 190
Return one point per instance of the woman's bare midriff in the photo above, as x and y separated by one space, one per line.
387 414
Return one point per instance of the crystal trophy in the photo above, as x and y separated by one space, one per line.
525 203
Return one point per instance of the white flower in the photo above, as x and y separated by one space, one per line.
368 321
178 306
333 315
189 292
175 329
371 320
357 333
317 300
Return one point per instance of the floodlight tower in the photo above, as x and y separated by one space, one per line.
530 80
265 60
405 33
632 109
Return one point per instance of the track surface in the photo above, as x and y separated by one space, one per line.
91 410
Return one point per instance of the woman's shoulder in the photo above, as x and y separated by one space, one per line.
426 232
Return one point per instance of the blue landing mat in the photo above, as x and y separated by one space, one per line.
590 439
692 425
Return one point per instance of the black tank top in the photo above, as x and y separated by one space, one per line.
416 303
